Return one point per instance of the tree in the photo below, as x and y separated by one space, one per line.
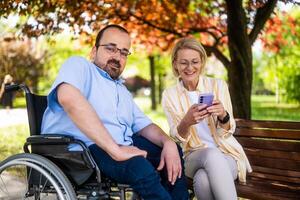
157 23
282 65
23 60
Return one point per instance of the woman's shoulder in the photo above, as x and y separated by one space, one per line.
214 81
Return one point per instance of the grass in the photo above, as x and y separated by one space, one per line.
266 108
12 139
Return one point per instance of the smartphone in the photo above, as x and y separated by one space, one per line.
206 98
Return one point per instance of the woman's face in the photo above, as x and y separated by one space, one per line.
188 64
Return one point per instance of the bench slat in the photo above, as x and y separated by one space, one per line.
272 153
268 124
262 189
286 173
280 145
281 178
274 163
268 133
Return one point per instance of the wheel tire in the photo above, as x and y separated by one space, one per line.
45 167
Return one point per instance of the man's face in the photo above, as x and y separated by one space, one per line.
111 52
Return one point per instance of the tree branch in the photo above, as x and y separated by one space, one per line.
262 15
155 26
218 54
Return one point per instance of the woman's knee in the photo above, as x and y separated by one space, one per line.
200 180
201 185
214 156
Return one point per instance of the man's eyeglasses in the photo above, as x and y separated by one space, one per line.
112 49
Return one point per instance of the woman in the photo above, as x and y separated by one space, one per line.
6 97
213 157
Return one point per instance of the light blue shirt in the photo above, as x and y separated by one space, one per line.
111 100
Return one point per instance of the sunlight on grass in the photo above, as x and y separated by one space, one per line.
266 108
12 139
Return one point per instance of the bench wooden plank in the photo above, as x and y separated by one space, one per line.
280 145
272 153
268 124
281 178
268 133
266 170
265 190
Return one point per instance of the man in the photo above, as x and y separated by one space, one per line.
89 102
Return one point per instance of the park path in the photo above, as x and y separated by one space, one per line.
13 117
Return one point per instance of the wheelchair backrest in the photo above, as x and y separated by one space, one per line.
36 106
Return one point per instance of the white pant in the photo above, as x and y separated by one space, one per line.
213 174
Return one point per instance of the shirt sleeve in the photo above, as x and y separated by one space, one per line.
224 97
172 117
140 120
73 72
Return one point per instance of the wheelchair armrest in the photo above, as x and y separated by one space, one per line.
50 139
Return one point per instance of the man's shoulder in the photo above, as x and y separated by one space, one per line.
76 64
77 60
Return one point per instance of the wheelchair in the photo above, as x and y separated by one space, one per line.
48 170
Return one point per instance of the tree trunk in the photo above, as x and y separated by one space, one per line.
240 69
152 82
160 86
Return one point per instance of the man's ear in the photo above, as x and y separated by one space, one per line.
93 53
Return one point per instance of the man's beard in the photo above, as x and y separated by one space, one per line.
113 68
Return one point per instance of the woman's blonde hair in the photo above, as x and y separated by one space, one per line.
188 43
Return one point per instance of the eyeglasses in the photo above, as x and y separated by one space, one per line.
112 49
186 63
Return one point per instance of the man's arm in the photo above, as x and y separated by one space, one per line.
169 154
87 120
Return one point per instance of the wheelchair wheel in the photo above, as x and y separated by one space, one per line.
30 176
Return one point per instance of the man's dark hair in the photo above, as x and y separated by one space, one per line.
101 32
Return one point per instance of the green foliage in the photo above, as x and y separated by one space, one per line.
60 48
23 60
281 67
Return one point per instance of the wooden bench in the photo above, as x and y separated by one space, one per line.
273 149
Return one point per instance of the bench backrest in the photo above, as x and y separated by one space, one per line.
273 149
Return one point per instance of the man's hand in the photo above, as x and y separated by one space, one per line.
127 152
170 157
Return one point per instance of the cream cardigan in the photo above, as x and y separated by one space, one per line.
175 102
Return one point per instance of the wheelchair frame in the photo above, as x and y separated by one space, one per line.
73 174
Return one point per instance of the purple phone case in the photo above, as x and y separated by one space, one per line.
206 99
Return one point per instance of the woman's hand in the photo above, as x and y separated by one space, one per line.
217 109
195 114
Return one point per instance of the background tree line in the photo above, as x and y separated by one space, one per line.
227 29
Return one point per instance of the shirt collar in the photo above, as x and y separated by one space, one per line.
107 76
200 86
